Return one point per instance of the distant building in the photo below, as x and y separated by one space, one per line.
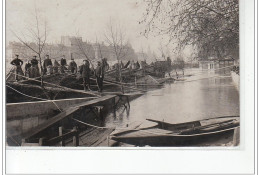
208 64
70 46
217 64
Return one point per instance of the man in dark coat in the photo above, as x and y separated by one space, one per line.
47 62
73 66
85 73
99 72
27 68
34 70
63 63
18 69
137 65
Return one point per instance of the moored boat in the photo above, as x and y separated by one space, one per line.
213 131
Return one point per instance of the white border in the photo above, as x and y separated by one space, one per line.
172 160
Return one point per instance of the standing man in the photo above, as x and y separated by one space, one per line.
73 66
85 73
34 71
56 66
99 76
63 63
18 69
27 69
47 64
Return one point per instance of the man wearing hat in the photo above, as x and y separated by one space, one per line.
27 68
100 73
18 69
46 64
34 70
99 76
73 66
85 73
63 63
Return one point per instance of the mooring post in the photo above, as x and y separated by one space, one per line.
75 137
236 136
108 141
62 142
41 142
23 142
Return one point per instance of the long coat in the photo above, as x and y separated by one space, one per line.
85 71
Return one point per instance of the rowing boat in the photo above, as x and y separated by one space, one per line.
213 131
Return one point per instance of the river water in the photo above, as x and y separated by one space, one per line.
203 95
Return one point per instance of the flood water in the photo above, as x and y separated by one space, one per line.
203 95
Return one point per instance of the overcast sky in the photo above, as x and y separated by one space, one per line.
89 18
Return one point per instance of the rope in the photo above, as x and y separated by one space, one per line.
127 129
34 97
59 86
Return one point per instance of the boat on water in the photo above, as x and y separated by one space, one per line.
217 131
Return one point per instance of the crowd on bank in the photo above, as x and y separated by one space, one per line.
49 67
34 69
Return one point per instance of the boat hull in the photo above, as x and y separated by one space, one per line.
223 138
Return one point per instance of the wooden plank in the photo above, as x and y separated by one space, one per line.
95 101
103 137
50 122
236 136
130 128
110 142
64 114
146 133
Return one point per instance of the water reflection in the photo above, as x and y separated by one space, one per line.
212 96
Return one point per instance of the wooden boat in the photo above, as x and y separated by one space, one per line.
213 131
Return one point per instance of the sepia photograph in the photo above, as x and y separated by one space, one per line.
122 73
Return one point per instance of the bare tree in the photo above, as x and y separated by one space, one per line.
38 35
116 39
212 26
85 50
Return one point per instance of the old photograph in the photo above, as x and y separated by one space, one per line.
122 73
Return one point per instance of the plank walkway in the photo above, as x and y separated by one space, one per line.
65 114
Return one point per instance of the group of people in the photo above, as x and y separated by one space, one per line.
48 67
56 67
99 72
32 70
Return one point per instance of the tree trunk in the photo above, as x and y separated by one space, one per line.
41 70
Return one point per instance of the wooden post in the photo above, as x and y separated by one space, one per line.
107 140
62 142
23 142
75 137
41 142
236 136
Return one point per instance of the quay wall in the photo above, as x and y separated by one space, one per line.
236 80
